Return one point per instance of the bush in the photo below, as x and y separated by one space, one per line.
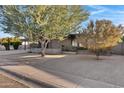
16 45
81 48
68 48
6 45
15 42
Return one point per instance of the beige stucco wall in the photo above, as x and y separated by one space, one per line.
54 44
66 42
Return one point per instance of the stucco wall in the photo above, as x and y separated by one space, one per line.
55 44
67 42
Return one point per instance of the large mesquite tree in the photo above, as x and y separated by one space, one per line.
100 36
42 23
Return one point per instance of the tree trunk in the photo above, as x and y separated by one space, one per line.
43 47
25 45
97 55
30 48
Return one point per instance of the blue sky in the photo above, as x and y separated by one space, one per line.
115 13
2 34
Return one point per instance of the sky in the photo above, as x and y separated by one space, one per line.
115 13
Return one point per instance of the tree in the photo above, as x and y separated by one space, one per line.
43 23
122 38
12 20
14 41
100 36
6 42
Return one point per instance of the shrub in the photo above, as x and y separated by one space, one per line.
69 48
16 45
6 43
81 48
15 42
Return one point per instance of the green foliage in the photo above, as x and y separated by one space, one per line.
46 21
11 19
81 48
122 39
11 41
16 45
69 48
52 22
15 42
6 42
100 36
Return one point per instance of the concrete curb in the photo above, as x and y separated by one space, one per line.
30 82
12 52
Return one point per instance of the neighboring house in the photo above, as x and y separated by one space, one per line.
69 43
25 43
55 44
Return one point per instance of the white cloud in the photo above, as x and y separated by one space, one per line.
98 9
120 11
101 12
96 12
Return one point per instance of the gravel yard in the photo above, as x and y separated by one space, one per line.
6 82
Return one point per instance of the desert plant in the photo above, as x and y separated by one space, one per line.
6 43
15 42
100 36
